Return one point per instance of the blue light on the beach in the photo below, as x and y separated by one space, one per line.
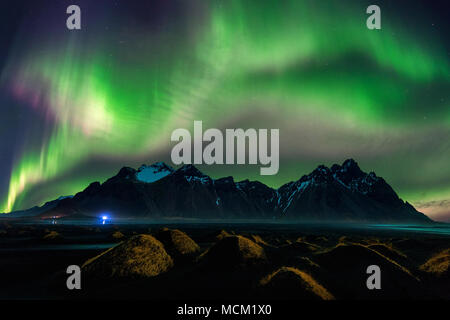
104 218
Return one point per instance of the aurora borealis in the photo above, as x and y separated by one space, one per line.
76 106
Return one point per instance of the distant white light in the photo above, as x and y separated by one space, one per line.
105 217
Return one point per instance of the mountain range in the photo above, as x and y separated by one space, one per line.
339 193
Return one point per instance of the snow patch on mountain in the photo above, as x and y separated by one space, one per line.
155 172
299 188
202 180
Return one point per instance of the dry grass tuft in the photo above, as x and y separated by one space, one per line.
140 256
222 234
177 243
233 251
257 239
117 235
52 235
308 245
387 250
438 264
300 282
349 252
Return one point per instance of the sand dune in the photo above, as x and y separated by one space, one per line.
234 251
140 256
177 243
288 282
438 264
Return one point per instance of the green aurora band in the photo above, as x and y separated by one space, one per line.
311 68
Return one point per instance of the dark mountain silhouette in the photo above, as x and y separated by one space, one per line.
340 193
344 193
36 210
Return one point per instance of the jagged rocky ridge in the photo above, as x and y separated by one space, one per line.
340 193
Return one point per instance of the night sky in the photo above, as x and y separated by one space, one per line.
76 106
